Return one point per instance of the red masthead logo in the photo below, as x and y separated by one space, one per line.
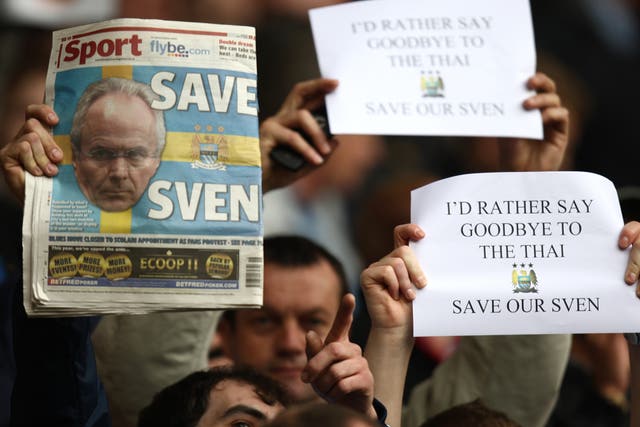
106 47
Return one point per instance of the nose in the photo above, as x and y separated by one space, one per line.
118 168
291 338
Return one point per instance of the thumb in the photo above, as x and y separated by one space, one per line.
405 233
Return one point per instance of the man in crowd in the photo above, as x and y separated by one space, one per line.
293 338
220 396
302 292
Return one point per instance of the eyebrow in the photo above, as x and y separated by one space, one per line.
244 409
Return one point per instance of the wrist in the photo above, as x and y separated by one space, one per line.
395 335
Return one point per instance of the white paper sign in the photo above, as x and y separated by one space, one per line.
521 253
428 67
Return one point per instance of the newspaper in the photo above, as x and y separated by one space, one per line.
157 205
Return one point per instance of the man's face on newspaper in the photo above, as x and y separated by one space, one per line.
118 151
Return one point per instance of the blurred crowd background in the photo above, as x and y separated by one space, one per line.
591 48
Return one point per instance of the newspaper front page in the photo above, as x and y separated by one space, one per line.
157 205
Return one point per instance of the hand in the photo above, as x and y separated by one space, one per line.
605 356
388 284
630 235
518 154
32 150
295 113
336 368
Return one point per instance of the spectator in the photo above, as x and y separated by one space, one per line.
219 396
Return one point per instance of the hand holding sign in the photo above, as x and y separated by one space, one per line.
336 367
388 283
518 154
295 113
630 235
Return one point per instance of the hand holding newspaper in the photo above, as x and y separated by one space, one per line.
157 203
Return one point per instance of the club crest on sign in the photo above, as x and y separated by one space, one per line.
523 280
431 85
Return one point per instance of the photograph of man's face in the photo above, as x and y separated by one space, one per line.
117 142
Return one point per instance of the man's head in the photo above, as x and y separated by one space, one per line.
221 396
303 286
117 140
474 413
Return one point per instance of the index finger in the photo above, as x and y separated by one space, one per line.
342 323
42 112
308 94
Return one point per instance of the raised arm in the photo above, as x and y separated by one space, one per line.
388 287
32 150
491 368
284 129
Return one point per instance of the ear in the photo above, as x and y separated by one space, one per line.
73 157
158 161
227 337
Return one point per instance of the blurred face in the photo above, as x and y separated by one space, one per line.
272 339
118 152
236 404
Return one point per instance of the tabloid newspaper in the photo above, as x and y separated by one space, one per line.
157 205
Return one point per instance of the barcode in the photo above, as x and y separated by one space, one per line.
253 272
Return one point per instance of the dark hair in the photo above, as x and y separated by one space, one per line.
297 251
474 413
183 403
319 415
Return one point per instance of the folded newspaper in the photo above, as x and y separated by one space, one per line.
157 205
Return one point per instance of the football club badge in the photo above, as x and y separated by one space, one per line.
206 149
524 281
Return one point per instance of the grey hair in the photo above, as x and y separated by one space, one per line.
110 85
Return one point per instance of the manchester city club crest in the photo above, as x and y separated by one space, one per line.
431 85
522 280
206 148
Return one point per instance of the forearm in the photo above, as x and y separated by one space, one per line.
388 352
634 356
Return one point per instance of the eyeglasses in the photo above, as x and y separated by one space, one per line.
135 157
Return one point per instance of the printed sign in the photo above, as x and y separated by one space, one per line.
428 67
522 253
